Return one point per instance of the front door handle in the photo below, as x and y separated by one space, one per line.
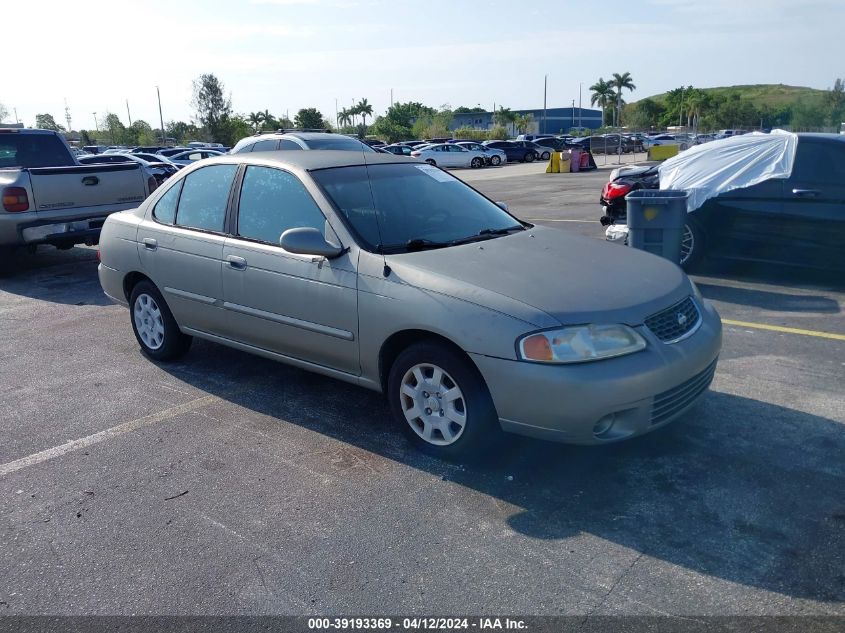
805 193
235 262
150 244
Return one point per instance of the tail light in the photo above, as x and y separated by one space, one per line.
99 259
152 183
415 154
15 199
613 190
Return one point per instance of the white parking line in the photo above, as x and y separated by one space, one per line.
120 429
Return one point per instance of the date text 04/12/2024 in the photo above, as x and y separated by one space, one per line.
416 624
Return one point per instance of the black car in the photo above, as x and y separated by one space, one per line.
798 221
515 150
552 143
398 149
614 144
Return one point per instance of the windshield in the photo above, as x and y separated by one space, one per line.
402 205
338 142
33 150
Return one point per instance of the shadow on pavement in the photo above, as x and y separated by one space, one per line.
767 300
66 277
741 490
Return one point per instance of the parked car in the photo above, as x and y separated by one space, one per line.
48 197
614 144
514 151
552 143
795 221
192 155
681 141
412 143
157 158
540 152
450 155
397 277
492 156
398 149
170 151
273 141
160 170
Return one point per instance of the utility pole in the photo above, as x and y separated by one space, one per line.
545 92
391 97
573 113
336 114
129 116
579 105
17 120
96 125
160 116
681 109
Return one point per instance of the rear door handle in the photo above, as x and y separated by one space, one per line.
235 262
150 244
806 193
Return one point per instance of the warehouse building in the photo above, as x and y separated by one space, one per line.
556 120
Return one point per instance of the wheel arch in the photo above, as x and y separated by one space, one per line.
399 341
131 280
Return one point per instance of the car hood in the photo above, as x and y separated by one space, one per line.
547 277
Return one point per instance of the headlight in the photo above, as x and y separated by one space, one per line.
579 343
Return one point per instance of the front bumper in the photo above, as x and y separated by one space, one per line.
637 393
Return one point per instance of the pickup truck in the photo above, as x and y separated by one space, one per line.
49 198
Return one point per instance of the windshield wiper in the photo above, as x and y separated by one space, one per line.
415 244
504 231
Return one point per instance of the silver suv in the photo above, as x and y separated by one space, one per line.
272 141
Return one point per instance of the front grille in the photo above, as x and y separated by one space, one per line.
673 324
670 402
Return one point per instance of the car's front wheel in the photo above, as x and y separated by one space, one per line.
154 326
529 157
442 403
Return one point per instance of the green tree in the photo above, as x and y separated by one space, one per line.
602 95
4 112
643 114
85 138
309 118
210 103
523 122
619 83
465 110
834 103
46 122
365 109
255 119
180 130
111 124
503 117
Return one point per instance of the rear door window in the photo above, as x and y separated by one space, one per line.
267 145
819 162
205 196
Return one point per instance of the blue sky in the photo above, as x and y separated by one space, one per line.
287 54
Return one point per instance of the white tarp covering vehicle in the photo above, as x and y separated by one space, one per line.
706 171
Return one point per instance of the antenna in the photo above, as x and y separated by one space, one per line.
67 116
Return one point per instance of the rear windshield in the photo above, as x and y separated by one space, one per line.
338 142
33 150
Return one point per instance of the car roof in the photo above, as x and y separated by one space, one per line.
309 161
827 136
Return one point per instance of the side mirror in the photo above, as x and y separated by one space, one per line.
502 205
308 241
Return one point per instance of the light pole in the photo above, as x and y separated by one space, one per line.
160 117
545 92
681 108
96 125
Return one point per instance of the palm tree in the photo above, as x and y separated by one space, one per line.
621 82
523 122
365 109
255 118
268 118
602 95
504 116
344 117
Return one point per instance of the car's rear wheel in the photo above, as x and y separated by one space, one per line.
431 161
495 161
155 328
529 157
545 156
441 402
476 162
692 245
684 147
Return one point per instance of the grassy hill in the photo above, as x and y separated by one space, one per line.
772 95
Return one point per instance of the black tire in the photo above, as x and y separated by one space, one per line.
476 162
174 344
529 157
699 246
495 161
431 162
545 156
481 432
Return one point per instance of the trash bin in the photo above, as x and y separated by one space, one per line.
656 221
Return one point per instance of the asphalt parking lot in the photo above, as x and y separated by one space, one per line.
228 484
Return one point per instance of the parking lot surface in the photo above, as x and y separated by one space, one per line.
229 484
